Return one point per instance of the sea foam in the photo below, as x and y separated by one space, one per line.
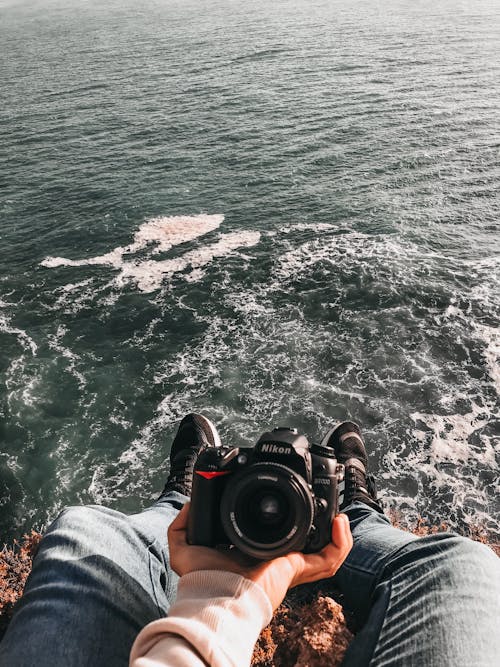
449 434
162 234
149 274
26 342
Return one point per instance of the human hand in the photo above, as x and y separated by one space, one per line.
274 576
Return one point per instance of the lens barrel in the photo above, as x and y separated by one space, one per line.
267 510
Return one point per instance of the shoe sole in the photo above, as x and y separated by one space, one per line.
210 427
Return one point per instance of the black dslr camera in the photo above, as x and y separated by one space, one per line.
276 497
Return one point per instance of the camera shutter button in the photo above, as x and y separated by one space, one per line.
321 504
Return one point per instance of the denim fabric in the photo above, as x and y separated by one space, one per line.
429 601
100 576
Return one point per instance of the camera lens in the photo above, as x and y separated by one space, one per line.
264 514
270 510
267 511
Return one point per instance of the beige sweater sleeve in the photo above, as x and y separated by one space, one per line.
214 621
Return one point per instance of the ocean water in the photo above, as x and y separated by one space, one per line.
273 213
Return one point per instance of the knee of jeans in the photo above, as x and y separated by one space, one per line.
76 518
465 559
88 531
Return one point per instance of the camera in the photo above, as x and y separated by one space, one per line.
279 496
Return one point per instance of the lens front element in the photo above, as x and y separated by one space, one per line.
267 510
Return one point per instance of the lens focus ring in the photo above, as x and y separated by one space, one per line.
267 510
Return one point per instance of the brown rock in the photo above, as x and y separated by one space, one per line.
15 566
308 635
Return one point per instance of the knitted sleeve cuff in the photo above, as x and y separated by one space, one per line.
220 614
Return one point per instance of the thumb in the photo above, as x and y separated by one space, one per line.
341 533
180 521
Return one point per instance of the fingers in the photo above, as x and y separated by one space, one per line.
293 569
324 564
180 521
341 533
176 532
335 553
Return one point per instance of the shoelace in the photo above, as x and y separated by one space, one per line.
182 469
358 483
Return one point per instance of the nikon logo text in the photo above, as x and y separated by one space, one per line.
275 449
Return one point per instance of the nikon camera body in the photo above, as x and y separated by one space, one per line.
276 497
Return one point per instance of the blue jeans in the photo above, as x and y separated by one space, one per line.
100 576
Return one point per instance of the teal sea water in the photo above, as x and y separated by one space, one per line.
270 212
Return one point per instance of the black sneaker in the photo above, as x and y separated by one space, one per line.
345 438
194 433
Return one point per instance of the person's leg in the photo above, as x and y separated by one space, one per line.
98 578
374 541
429 601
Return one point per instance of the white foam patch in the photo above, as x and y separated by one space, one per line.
56 343
149 274
24 339
468 501
163 232
308 227
22 386
73 287
449 434
73 297
394 259
491 337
